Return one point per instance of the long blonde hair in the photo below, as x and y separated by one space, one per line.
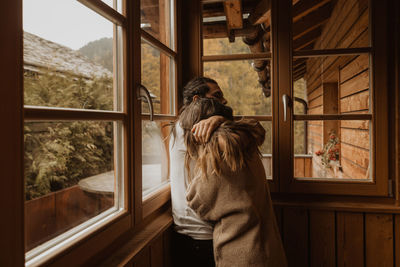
230 146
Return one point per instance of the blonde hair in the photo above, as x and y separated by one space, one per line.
230 146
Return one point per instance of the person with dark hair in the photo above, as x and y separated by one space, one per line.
228 188
192 236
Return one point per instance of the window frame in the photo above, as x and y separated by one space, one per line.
122 222
282 132
379 186
162 195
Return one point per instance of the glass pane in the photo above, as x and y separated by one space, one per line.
157 18
266 149
334 24
71 171
116 4
242 87
68 62
333 149
158 77
154 155
227 29
332 85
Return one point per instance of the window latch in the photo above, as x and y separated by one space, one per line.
286 103
144 95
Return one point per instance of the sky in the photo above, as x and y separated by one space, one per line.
66 22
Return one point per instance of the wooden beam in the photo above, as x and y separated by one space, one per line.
261 13
312 21
217 9
218 30
304 7
233 12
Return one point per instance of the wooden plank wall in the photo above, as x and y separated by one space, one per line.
346 28
314 237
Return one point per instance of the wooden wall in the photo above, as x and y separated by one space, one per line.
346 28
318 237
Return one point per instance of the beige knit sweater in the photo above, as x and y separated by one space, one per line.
245 232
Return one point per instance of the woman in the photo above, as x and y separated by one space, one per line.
230 189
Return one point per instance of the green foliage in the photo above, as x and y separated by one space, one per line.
59 154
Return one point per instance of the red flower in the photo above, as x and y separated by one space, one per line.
332 136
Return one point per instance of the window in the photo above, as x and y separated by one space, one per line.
318 95
158 78
76 127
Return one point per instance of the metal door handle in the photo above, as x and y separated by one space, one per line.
286 101
144 95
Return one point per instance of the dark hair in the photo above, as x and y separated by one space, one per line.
231 145
196 86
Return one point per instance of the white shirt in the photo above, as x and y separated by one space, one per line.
186 220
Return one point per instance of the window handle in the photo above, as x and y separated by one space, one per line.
286 103
144 95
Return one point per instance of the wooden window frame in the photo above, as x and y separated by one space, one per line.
161 196
283 178
90 246
379 139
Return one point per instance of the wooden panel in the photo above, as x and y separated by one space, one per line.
356 124
316 110
347 27
397 239
295 236
157 253
322 238
379 240
357 155
352 170
167 239
299 167
279 220
316 102
360 26
143 258
308 167
314 94
358 83
350 239
358 138
355 102
361 63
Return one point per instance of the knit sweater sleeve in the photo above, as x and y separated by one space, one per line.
202 197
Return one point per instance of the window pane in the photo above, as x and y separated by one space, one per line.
156 19
335 24
71 175
266 149
332 85
154 155
333 149
227 29
68 61
158 77
241 86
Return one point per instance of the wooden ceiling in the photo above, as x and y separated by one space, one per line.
309 17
